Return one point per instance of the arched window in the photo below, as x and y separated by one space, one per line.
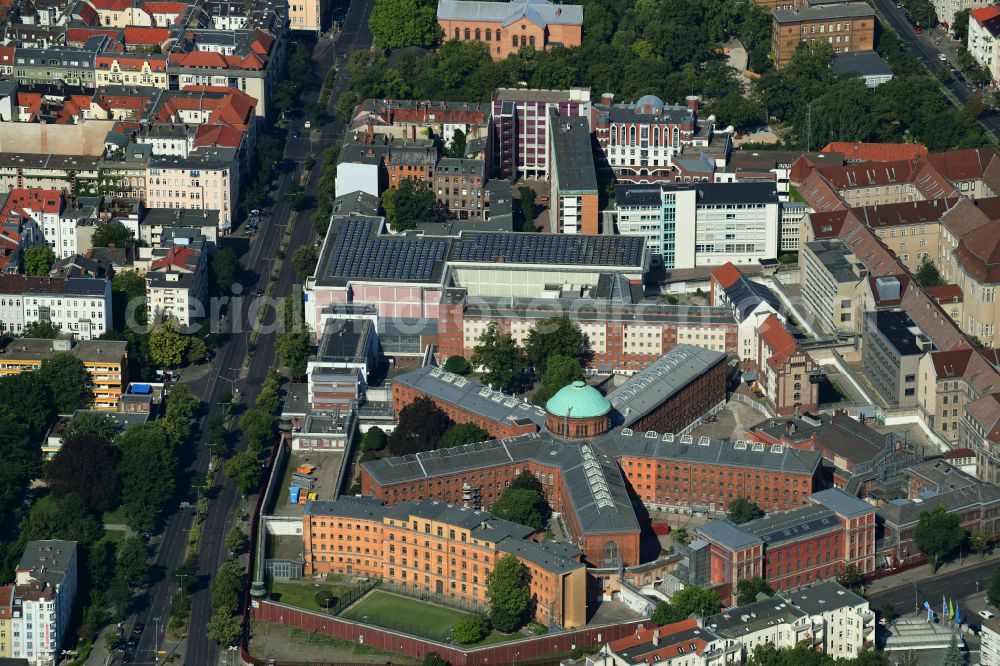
489 35
676 138
631 135
468 35
513 41
458 33
478 35
498 36
614 136
524 40
611 553
531 40
656 137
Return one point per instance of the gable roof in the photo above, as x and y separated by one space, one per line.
778 340
875 152
727 275
963 164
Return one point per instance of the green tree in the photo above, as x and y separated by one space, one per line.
850 576
953 655
227 585
525 507
258 425
166 345
40 329
304 260
508 594
500 356
346 103
181 406
67 518
90 423
461 434
559 372
86 466
409 204
374 439
469 630
960 25
196 350
980 541
38 260
748 589
527 481
244 469
421 424
294 349
456 147
236 540
457 365
937 534
147 470
112 234
555 336
224 629
993 594
928 274
665 613
526 203
681 535
132 565
68 382
434 659
128 287
692 599
741 510
396 24
225 269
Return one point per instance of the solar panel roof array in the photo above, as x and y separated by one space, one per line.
359 252
555 249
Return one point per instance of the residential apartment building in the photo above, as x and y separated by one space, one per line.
43 598
989 649
946 9
177 279
784 370
77 305
65 224
796 547
442 551
574 197
871 184
685 643
847 27
6 612
943 392
205 180
507 28
984 31
732 222
640 140
830 279
751 303
520 128
890 355
403 119
106 363
131 69
305 16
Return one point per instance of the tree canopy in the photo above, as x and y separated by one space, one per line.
685 602
508 594
410 203
555 336
928 274
457 365
421 425
147 471
462 433
937 534
112 234
166 345
304 261
741 510
42 329
749 588
68 382
560 371
500 356
38 260
396 24
87 466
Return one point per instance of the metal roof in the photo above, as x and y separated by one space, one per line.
538 12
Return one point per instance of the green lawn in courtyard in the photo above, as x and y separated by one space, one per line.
303 594
407 615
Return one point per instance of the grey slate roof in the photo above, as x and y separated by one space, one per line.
553 556
862 63
729 534
472 396
348 506
746 619
538 11
49 560
824 12
782 526
670 373
843 503
823 597
572 153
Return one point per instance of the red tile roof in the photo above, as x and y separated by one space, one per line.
979 252
945 293
177 257
668 647
911 212
876 152
164 7
79 36
963 164
779 341
958 453
828 225
950 364
111 5
6 55
146 36
726 275
218 135
132 63
985 13
87 14
24 199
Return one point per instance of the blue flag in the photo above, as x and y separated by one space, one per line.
958 615
927 605
944 608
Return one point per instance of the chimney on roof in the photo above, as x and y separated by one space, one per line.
656 636
692 103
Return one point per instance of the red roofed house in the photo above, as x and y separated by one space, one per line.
975 172
164 14
142 39
683 643
875 152
984 31
409 119
177 281
784 369
131 69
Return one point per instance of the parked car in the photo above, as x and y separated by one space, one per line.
917 29
986 615
138 628
942 57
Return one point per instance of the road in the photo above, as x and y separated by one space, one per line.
257 258
958 585
924 49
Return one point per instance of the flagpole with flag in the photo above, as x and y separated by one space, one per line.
958 615
944 608
951 610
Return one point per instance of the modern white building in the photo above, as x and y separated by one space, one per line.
59 221
989 650
177 278
701 224
946 9
77 305
842 622
43 600
984 30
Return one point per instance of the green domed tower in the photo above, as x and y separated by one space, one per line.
578 411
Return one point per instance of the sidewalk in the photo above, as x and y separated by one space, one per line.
923 572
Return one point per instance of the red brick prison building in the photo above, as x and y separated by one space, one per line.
587 469
791 548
